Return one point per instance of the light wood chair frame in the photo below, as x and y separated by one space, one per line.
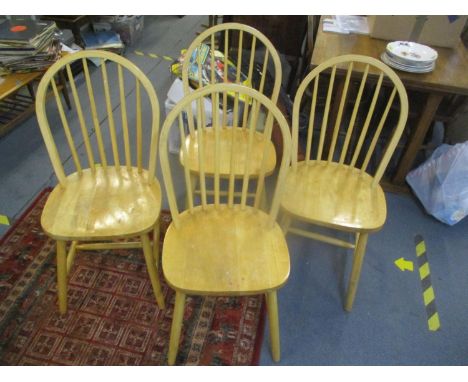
150 247
337 63
273 113
257 36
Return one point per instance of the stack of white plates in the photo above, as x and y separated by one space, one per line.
410 57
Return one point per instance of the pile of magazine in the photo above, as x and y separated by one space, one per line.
27 45
203 55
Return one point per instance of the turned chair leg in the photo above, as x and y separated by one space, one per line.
358 258
272 306
152 271
176 327
62 276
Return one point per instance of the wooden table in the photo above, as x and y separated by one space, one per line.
16 106
450 77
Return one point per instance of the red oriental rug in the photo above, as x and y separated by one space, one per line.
112 315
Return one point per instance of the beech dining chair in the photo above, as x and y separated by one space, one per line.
225 247
253 56
340 189
107 198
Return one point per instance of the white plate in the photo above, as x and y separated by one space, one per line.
406 62
406 65
405 68
412 51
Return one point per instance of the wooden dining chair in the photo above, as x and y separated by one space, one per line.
225 248
104 198
254 56
340 189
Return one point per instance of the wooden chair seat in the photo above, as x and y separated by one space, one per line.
108 204
241 142
335 196
225 251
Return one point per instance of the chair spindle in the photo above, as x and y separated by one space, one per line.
84 129
97 126
123 109
66 128
110 114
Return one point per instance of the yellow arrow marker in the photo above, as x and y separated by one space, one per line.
404 265
4 220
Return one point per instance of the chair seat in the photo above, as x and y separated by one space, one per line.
225 251
335 196
110 203
241 140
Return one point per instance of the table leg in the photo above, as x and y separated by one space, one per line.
63 83
417 137
30 87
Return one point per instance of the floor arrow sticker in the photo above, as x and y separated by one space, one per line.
4 220
404 265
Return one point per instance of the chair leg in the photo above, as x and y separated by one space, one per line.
153 274
359 252
62 276
272 306
176 327
285 222
156 233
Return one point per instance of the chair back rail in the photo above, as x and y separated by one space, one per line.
79 127
357 153
204 134
222 34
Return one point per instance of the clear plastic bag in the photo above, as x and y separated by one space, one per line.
441 183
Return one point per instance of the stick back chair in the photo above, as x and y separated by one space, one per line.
225 248
241 44
337 190
106 196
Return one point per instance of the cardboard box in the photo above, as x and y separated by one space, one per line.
443 31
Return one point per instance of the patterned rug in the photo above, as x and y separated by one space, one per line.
112 315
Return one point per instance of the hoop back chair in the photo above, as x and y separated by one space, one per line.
262 50
106 197
336 189
225 248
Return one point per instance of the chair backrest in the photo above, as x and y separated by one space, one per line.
111 118
226 186
233 40
357 141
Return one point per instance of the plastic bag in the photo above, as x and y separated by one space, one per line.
174 95
441 183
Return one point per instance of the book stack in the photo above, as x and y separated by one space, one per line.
27 45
